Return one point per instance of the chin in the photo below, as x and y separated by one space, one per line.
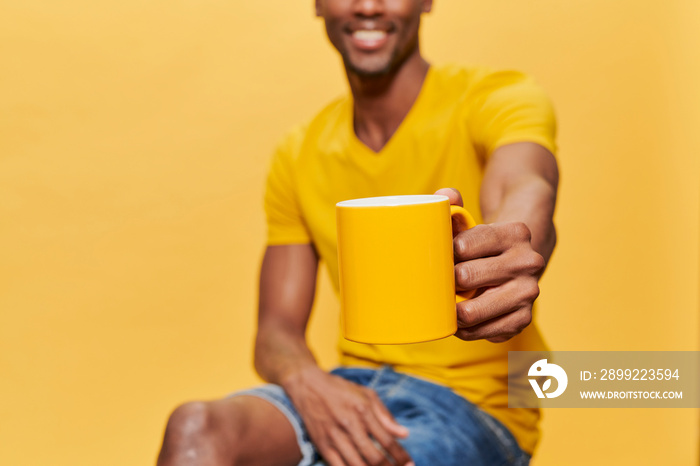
369 71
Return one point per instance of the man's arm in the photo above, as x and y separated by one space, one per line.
504 258
520 185
342 418
287 287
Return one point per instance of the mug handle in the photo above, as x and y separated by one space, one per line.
461 220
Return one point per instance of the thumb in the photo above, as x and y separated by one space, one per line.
453 194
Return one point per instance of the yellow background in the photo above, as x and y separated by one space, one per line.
134 139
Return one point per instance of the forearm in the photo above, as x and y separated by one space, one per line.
287 287
531 201
281 355
520 185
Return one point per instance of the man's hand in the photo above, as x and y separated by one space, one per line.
344 420
498 261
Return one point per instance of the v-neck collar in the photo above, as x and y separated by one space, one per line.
357 143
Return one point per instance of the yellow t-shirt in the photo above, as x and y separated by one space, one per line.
460 116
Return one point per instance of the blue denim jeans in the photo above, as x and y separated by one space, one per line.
445 429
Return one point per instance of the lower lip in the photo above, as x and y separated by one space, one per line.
369 45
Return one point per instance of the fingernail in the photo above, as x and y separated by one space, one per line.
411 464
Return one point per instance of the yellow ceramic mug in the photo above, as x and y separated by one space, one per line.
396 265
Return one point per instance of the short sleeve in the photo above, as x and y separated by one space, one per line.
508 107
285 223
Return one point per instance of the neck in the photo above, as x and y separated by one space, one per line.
382 102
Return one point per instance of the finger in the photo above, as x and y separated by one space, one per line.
492 271
367 448
346 448
357 430
332 457
489 240
454 195
384 416
499 329
387 441
496 302
479 273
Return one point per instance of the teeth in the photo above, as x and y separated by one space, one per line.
369 35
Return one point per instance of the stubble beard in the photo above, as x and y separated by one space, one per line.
357 70
394 62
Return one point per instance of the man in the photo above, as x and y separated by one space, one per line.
408 128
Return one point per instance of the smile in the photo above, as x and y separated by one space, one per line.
367 39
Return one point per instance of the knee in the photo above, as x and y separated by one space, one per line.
202 430
190 421
191 434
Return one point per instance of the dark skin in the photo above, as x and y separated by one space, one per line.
502 260
341 417
381 101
